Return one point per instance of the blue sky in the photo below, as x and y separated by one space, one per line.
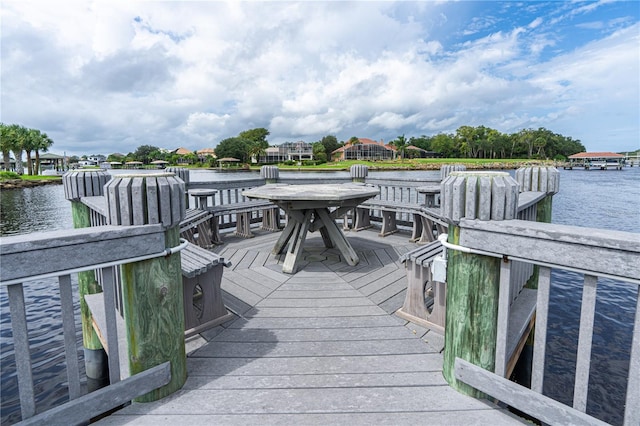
104 77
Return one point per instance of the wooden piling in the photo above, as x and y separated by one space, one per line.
78 184
359 173
270 174
152 289
473 281
539 179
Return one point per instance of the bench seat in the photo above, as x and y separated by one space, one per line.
422 290
243 211
201 278
197 227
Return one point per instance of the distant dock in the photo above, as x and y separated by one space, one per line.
596 161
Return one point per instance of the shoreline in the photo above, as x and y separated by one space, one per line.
23 183
498 165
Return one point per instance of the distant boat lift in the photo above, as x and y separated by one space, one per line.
596 160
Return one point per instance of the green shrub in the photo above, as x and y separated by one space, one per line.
9 175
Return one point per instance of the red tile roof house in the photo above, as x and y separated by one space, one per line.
365 149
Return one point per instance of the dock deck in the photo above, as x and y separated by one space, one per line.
321 346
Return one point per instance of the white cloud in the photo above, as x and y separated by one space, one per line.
112 75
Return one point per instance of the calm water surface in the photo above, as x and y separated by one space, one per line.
599 199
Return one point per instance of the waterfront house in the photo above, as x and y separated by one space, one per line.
365 149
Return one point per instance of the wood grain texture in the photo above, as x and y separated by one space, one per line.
473 284
153 312
87 283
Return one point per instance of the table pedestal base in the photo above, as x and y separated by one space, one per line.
295 233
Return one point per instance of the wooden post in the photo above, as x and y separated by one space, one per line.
270 174
152 289
78 184
540 179
359 173
270 217
182 173
446 169
473 281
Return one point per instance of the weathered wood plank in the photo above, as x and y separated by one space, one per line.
259 278
316 312
82 409
328 285
241 293
380 399
394 303
467 417
382 282
244 282
314 334
314 323
600 251
343 380
275 349
585 337
389 291
540 343
543 408
327 302
317 293
367 279
49 252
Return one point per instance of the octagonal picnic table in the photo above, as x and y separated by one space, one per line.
313 208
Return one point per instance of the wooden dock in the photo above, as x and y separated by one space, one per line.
321 346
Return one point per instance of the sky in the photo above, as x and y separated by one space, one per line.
101 77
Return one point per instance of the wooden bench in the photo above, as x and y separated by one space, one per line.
203 304
201 279
388 211
197 227
422 292
243 211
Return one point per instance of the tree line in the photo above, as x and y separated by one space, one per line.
484 142
17 139
466 142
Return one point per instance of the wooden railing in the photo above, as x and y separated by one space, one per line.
592 253
60 254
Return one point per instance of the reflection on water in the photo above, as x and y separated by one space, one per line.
42 208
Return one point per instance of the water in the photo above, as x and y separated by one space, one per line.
607 200
599 199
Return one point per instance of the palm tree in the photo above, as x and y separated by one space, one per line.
17 134
400 143
30 140
43 144
257 150
5 145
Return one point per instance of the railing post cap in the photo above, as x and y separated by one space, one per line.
359 172
181 172
486 173
479 195
84 183
538 179
446 169
145 198
270 173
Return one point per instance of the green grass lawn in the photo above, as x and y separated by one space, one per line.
11 175
417 164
